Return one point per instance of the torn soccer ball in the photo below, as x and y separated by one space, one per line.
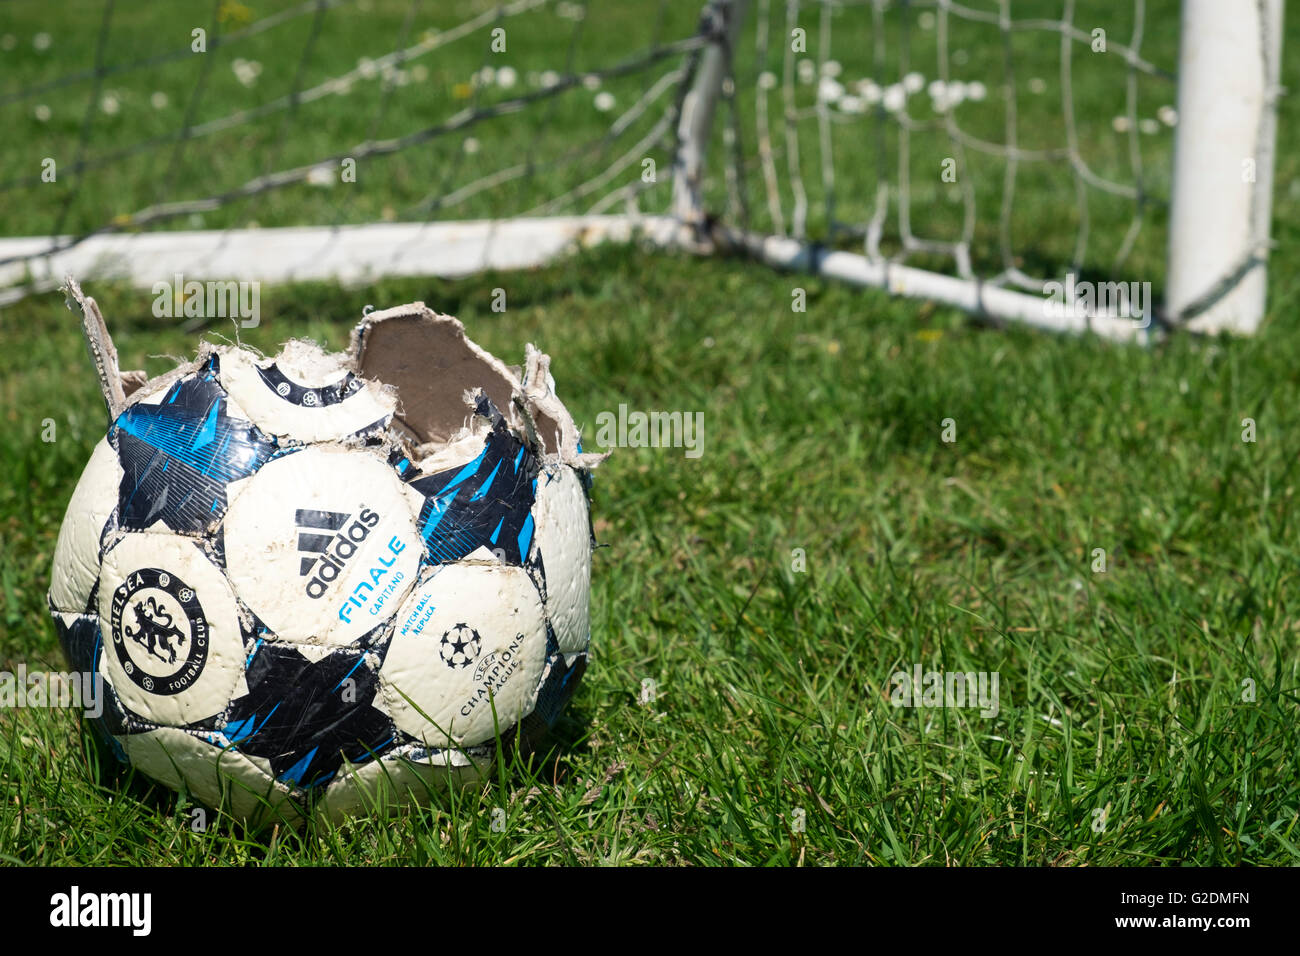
328 583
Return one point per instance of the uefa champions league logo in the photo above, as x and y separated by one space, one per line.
459 646
159 632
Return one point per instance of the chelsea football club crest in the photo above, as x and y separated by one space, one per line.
159 632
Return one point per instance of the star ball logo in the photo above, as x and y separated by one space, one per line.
317 397
159 631
459 646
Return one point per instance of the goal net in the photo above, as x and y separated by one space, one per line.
1057 162
1063 163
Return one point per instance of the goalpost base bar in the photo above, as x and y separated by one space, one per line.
352 255
970 295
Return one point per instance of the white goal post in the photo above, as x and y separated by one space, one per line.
1229 80
749 113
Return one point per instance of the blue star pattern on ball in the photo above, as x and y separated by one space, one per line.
178 456
487 503
308 717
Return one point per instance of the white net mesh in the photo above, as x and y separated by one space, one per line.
958 136
333 112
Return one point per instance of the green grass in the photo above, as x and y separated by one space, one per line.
112 165
1120 692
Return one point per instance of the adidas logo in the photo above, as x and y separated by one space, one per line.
326 541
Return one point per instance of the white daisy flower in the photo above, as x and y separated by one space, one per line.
829 90
322 175
247 71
